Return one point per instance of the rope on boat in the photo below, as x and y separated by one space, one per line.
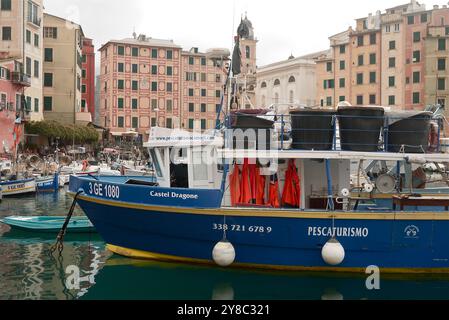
59 245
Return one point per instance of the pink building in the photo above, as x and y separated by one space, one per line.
12 86
148 82
88 77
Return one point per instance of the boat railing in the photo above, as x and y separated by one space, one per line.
334 132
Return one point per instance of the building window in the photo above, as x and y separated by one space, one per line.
342 49
360 41
135 68
391 81
203 92
169 123
169 71
372 38
359 78
341 98
33 13
423 17
372 77
120 67
169 87
191 61
36 105
392 62
277 82
83 88
292 79
441 64
441 44
134 103
447 30
48 103
416 97
36 40
28 67
372 99
169 54
441 83
416 56
36 69
416 77
120 103
48 79
135 122
154 86
153 122
248 52
217 93
83 73
121 50
120 122
28 36
372 58
83 104
329 101
120 84
203 124
360 60
411 19
391 100
154 53
50 32
342 82
48 55
6 34
263 85
191 123
191 107
392 45
169 105
153 70
342 65
388 28
328 69
359 100
135 52
203 61
5 5
203 77
191 92
416 36
397 27
153 104
203 107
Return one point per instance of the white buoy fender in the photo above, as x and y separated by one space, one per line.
223 254
333 252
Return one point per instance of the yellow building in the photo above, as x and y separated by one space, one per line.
63 42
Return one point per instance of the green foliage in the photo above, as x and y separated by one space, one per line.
65 133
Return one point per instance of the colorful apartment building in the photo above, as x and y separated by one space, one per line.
148 82
88 77
396 59
21 41
63 42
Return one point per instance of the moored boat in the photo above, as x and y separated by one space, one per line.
18 187
49 224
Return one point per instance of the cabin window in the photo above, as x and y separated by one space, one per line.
156 163
199 167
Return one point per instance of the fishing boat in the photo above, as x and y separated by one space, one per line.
18 187
238 196
48 224
48 184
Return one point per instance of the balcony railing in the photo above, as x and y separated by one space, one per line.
21 79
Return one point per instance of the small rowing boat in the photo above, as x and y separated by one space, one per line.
49 224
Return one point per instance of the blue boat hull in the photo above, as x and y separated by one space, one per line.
49 185
264 238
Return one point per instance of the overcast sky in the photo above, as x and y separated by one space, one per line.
282 26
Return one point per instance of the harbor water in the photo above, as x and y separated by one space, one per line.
28 271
